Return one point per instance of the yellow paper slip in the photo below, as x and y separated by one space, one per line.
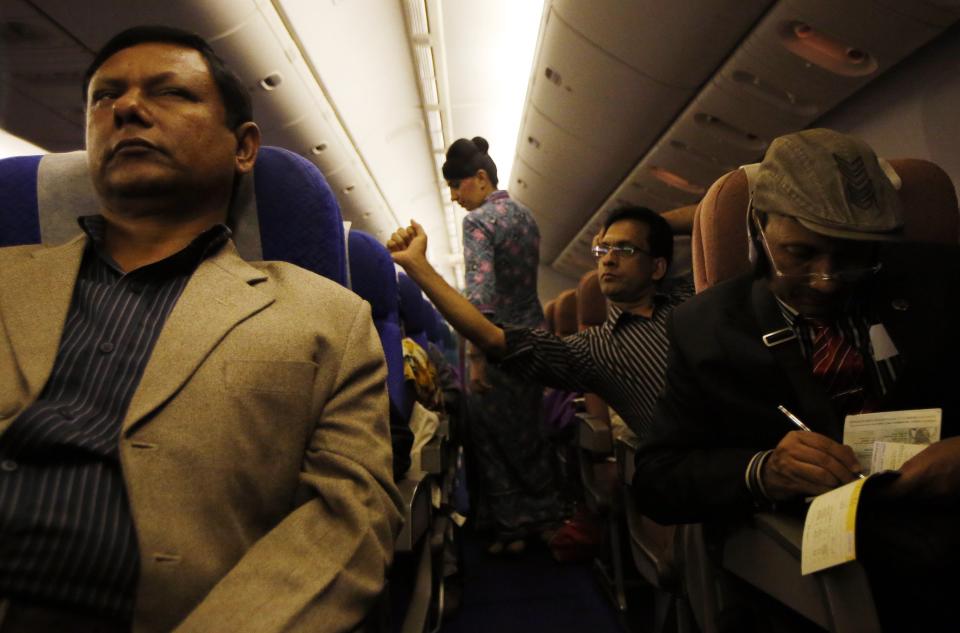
830 528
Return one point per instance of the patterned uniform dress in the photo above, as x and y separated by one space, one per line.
519 494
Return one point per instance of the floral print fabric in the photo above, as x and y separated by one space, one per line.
501 247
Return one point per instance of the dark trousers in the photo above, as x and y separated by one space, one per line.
16 617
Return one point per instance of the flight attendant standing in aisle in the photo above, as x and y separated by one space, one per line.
501 245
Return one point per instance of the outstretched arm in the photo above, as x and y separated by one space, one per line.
409 249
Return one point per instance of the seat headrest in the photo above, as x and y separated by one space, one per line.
549 315
565 315
719 241
285 211
591 304
414 310
373 274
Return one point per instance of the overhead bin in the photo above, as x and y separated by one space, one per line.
597 98
550 200
676 43
313 137
801 60
86 21
581 168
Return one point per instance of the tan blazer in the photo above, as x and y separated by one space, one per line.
256 449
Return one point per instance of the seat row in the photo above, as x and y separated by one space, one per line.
691 571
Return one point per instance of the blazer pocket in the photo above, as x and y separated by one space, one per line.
270 376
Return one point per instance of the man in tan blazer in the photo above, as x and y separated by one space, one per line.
188 441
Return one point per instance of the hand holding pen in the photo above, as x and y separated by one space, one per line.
806 463
803 427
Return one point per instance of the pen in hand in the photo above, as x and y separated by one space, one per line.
803 427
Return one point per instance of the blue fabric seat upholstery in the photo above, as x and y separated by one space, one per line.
286 212
414 310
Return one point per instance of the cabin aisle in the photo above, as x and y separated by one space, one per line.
529 594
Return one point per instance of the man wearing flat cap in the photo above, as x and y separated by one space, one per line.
840 316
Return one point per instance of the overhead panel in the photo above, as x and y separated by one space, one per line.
610 77
596 97
544 196
676 43
801 60
41 68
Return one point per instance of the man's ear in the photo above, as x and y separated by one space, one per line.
659 268
248 144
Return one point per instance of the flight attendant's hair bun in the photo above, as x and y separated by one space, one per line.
467 156
481 144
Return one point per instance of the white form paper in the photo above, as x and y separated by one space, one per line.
914 426
892 455
830 528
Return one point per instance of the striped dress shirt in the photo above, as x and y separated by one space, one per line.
66 535
624 360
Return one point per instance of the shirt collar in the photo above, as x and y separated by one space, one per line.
616 314
185 260
499 194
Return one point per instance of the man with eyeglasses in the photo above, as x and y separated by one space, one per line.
837 318
624 360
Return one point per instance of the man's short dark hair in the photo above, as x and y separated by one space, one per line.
236 98
660 235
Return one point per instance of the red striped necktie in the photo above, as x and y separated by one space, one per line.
839 366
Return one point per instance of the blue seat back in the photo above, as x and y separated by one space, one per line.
373 277
285 212
414 310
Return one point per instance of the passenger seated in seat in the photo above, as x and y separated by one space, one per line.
623 360
837 319
189 441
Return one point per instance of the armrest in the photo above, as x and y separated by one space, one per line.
625 448
432 455
594 435
766 553
416 501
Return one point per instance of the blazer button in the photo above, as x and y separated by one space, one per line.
8 465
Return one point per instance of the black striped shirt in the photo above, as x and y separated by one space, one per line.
624 360
66 534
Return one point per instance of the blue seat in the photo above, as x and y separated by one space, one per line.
373 277
414 310
286 212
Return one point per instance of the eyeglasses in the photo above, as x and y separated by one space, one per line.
845 275
620 251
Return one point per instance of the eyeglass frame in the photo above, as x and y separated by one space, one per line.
852 275
620 251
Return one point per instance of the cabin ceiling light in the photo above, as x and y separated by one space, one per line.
677 181
826 51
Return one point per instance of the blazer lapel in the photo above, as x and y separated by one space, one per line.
219 295
35 296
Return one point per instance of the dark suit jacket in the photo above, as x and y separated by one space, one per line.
719 405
